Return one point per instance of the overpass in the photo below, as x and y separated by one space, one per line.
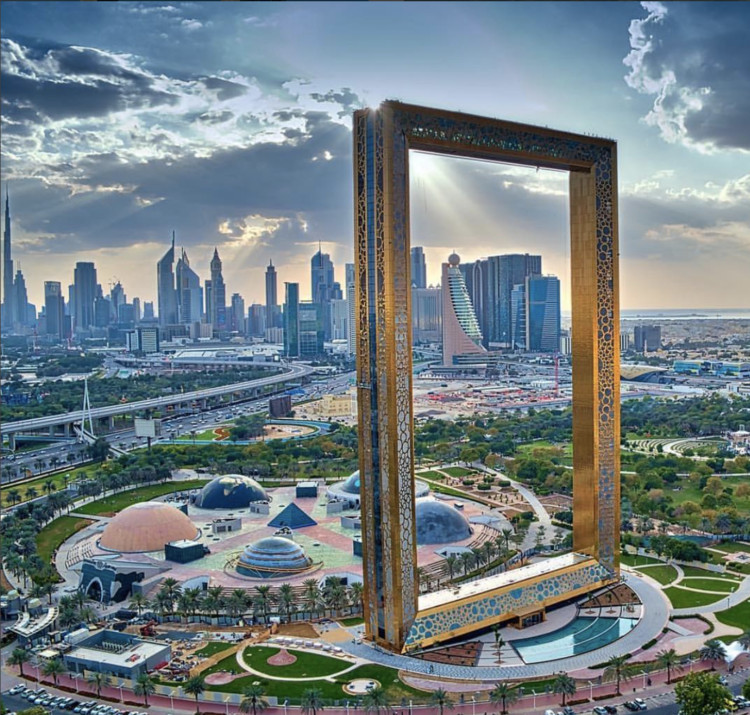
66 419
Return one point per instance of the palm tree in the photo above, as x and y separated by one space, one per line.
375 700
253 700
263 600
668 659
195 686
54 667
12 496
504 694
139 601
145 686
171 587
744 640
440 698
564 685
311 596
312 701
712 651
18 657
98 680
357 594
617 669
49 486
450 562
507 533
286 600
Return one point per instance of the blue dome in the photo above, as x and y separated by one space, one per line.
351 485
439 523
230 491
271 557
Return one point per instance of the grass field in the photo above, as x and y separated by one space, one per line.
663 574
349 622
458 472
635 560
689 492
57 531
429 474
681 598
708 584
213 648
58 480
204 436
737 616
692 571
307 665
117 502
732 547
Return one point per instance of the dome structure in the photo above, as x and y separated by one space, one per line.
230 491
454 259
439 523
272 557
350 486
147 527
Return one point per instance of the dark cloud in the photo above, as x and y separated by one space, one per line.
348 99
694 58
215 117
224 88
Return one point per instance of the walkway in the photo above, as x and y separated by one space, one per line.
732 599
655 618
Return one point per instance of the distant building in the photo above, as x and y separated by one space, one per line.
624 341
311 330
216 307
54 310
647 338
256 320
142 339
84 292
279 406
291 320
418 267
166 288
189 292
426 315
272 307
461 334
351 302
717 368
336 406
535 308
237 314
339 319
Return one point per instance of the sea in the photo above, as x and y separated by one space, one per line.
681 314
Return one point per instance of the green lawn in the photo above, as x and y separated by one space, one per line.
349 622
692 571
710 585
204 436
732 547
213 648
117 502
307 665
738 616
58 480
681 598
430 474
458 472
663 574
689 492
57 531
635 560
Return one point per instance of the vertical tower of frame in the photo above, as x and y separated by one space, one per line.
384 378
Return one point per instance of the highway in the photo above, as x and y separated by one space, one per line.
292 372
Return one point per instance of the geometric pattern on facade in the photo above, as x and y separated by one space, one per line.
382 140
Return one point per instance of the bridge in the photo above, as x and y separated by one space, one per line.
292 373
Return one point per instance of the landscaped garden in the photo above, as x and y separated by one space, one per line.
681 598
48 540
737 616
213 647
117 502
707 584
663 574
306 665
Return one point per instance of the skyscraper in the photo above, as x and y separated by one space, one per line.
512 270
24 314
311 330
323 286
291 320
272 300
218 306
418 268
647 338
165 287
117 298
426 315
535 307
8 292
237 314
189 293
84 295
54 309
461 334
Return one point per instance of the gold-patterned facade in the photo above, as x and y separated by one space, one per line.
382 139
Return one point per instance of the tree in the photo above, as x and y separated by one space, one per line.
744 640
617 669
564 685
713 651
441 698
375 700
18 657
253 700
287 604
195 686
668 660
99 450
312 701
504 694
98 680
139 601
450 561
700 693
145 686
54 667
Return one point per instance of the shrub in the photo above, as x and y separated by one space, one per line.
484 487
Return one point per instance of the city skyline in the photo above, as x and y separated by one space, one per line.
247 146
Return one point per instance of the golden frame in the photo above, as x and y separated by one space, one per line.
382 139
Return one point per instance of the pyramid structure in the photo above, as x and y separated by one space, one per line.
293 517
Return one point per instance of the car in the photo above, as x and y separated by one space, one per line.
723 680
600 710
16 689
568 711
632 706
641 703
73 704
610 709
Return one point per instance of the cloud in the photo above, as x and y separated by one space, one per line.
698 71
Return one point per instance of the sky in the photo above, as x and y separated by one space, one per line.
230 123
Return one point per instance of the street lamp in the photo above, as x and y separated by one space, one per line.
75 677
286 702
226 703
122 699
347 707
591 690
533 692
473 704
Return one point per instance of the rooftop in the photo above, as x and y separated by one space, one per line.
27 626
128 658
508 578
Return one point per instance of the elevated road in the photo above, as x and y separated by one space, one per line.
291 373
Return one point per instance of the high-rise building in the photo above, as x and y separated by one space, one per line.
136 310
311 330
461 334
237 314
323 286
291 320
23 314
272 299
54 309
351 299
189 293
217 307
165 287
84 295
535 308
339 317
117 298
426 315
511 270
418 267
256 320
9 311
148 310
647 338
